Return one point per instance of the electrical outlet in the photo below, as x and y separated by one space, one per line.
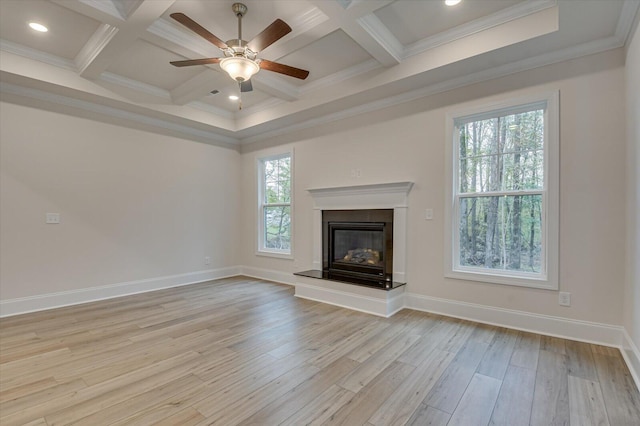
52 218
207 260
564 298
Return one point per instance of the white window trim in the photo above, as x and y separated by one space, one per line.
548 279
260 249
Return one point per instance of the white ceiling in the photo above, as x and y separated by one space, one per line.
109 59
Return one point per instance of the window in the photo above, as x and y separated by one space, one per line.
503 193
275 189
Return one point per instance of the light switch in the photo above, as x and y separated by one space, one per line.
428 214
53 218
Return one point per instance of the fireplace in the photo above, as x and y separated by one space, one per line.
358 244
367 225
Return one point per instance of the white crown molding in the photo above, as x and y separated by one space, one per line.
37 55
381 34
176 35
262 106
96 43
23 305
340 76
344 3
203 106
106 6
307 21
135 85
115 113
585 49
127 7
517 11
627 17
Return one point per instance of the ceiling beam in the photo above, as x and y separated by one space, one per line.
359 22
109 41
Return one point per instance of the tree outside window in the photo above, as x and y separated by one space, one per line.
275 204
502 204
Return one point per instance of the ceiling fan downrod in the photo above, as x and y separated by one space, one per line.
240 10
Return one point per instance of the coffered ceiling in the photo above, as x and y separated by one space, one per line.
109 59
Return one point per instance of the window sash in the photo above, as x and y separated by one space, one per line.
263 205
497 271
547 278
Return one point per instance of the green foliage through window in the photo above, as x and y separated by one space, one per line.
276 204
500 192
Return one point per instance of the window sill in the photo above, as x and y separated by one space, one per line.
275 254
518 281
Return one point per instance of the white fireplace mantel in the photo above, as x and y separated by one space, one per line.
394 195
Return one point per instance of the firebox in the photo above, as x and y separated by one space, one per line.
358 244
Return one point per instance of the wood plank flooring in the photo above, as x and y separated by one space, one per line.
245 352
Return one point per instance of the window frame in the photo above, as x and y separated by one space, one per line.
261 249
548 277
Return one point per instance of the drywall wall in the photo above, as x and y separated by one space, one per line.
632 289
406 143
134 205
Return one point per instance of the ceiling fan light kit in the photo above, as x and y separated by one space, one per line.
240 60
239 68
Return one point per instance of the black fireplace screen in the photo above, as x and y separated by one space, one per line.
358 243
357 247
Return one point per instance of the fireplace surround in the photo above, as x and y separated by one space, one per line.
330 284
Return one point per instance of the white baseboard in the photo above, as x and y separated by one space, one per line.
591 332
60 299
584 331
268 274
631 356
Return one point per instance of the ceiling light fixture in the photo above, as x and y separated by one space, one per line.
38 27
234 97
239 68
451 2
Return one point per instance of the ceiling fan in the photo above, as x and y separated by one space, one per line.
240 59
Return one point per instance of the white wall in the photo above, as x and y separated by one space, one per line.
134 205
632 289
406 143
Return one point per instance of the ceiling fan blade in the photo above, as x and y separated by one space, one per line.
196 28
269 35
190 62
246 86
284 69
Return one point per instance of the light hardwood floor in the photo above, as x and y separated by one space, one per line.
240 351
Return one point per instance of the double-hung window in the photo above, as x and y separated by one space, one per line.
503 193
274 205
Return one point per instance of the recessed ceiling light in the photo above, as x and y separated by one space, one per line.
451 2
234 97
38 27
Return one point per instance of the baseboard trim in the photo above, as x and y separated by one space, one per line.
23 305
584 331
631 356
268 274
